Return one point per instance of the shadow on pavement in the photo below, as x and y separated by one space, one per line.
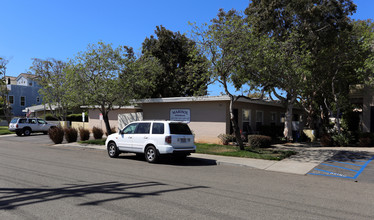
12 198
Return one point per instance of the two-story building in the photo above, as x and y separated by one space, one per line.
23 91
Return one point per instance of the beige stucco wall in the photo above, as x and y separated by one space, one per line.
266 109
208 119
94 118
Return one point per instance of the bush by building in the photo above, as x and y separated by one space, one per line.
84 134
71 134
97 133
259 141
56 134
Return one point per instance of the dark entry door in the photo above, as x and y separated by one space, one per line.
372 119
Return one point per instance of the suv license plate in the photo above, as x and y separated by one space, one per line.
183 140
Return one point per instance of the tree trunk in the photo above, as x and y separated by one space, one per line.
287 132
235 125
106 122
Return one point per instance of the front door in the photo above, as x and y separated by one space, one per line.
125 139
371 118
141 136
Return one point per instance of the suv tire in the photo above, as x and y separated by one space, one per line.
27 131
113 151
151 154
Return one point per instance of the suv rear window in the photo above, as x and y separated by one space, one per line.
14 120
179 128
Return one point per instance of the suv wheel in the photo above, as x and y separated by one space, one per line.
151 154
27 131
113 151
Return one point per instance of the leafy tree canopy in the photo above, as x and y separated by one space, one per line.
178 67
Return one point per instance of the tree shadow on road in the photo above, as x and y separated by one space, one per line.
12 198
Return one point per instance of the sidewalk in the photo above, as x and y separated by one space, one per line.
306 159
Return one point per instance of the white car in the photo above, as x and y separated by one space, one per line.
152 138
28 125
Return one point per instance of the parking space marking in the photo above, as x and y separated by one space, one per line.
335 174
352 164
344 168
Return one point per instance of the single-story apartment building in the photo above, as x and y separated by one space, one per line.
208 116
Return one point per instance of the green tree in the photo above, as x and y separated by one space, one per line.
4 102
51 76
224 42
184 68
301 35
96 73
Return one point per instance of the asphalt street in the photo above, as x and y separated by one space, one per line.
39 180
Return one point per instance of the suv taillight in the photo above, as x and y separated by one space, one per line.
16 125
168 139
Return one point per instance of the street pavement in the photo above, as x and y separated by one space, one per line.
309 160
45 181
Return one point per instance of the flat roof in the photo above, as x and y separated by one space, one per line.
207 99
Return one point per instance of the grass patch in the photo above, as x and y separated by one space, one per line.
5 130
95 142
233 151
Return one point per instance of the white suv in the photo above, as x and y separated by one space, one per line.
152 138
27 125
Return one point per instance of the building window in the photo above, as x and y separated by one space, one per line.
273 118
11 99
23 100
259 119
247 121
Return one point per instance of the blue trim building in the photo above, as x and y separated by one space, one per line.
23 92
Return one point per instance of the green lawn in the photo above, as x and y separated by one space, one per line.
227 150
233 151
5 130
95 142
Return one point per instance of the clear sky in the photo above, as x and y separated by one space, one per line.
60 29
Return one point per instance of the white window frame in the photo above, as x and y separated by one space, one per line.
249 116
262 117
12 99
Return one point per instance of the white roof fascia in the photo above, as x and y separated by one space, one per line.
205 99
114 107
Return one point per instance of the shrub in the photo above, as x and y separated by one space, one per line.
259 141
77 117
50 117
97 133
56 134
326 140
272 131
84 134
341 140
71 134
304 137
112 130
225 138
366 140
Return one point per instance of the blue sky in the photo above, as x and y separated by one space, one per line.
60 29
